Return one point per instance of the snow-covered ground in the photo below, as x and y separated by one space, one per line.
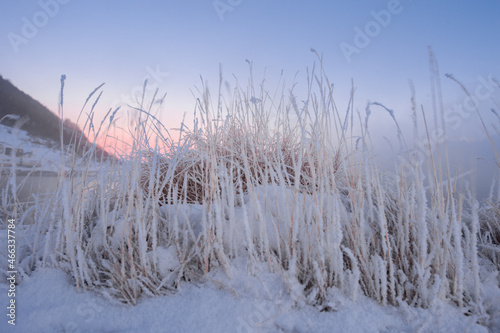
49 302
39 153
33 162
43 154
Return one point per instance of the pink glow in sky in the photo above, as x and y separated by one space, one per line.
379 44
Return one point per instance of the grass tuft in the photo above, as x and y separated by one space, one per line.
267 180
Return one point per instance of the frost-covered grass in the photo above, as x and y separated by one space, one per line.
272 181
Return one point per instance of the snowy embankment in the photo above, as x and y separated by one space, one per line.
49 302
33 165
33 153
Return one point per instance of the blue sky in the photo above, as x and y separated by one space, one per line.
174 42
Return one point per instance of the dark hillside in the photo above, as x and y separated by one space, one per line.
41 122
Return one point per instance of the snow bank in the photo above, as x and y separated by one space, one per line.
49 302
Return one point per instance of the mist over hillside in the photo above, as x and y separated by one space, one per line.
471 163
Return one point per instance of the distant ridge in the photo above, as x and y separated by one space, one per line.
41 122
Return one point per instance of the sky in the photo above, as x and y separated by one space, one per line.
178 45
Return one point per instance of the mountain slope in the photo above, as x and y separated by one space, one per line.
40 121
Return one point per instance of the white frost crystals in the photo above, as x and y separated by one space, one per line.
268 214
